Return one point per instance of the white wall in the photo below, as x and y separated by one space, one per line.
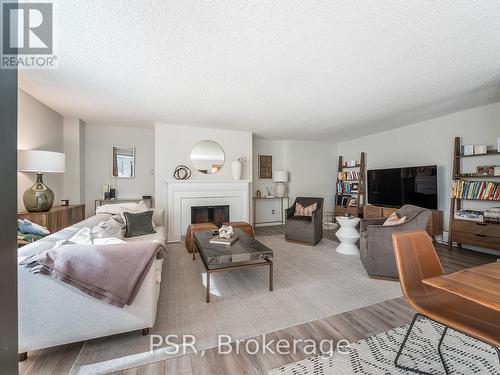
98 142
312 172
74 149
173 145
38 128
431 142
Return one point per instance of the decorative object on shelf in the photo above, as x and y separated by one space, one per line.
64 202
258 194
269 195
109 192
122 162
498 144
351 163
467 150
207 156
265 167
485 170
182 172
236 167
480 149
281 178
39 197
105 191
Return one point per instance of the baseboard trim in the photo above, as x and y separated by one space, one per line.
387 278
301 242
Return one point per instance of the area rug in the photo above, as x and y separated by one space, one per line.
375 355
309 283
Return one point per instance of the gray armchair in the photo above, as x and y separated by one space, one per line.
376 251
305 229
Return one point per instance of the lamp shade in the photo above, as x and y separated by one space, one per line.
40 161
280 176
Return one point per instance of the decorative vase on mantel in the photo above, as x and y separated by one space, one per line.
236 169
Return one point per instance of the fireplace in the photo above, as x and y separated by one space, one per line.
210 214
182 195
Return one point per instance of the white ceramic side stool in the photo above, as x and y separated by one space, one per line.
348 235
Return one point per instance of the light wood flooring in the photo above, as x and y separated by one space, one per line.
353 325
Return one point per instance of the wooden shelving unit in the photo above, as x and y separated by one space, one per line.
469 231
357 210
488 153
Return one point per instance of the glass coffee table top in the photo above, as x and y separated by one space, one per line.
245 249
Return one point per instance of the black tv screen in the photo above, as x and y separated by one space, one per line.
395 187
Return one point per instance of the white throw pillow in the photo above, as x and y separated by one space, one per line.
120 208
115 208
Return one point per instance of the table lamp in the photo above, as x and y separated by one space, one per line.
281 178
39 197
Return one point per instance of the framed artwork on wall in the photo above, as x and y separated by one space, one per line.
265 167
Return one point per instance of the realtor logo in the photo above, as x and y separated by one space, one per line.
27 35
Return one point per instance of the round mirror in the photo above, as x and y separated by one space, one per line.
207 157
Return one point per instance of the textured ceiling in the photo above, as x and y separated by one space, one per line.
282 69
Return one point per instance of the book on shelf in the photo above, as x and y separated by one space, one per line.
482 190
347 187
343 200
348 176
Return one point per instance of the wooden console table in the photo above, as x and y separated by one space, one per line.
57 218
283 206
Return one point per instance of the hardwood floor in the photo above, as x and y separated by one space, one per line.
353 325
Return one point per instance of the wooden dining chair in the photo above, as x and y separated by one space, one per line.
416 259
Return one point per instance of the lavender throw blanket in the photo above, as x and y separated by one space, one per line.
112 273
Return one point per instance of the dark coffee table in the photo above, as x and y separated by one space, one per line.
244 253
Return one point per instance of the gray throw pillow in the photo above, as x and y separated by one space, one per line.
138 224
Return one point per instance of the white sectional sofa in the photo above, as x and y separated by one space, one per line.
54 313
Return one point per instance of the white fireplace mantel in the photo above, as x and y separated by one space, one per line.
182 195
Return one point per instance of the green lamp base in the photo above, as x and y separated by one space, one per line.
39 197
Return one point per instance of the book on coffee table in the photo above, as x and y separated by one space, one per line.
224 241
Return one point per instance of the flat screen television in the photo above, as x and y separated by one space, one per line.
395 187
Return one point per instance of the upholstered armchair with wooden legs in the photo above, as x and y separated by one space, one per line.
416 259
307 230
